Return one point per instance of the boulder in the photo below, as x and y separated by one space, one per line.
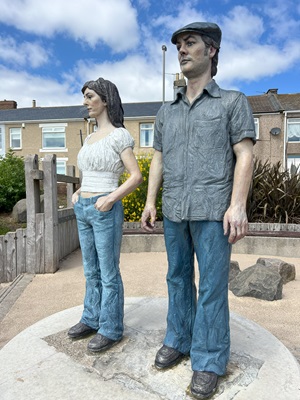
234 270
19 212
286 270
258 281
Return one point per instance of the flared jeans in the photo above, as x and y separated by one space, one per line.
199 327
100 236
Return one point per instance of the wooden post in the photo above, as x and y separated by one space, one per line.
11 256
2 264
51 214
71 187
33 207
21 250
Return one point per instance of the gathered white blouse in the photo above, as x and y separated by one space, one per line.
100 162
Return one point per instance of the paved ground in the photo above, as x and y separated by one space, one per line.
33 298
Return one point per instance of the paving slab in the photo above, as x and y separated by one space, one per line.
43 363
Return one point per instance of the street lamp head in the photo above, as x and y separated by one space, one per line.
164 47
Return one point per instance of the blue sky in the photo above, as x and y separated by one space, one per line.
48 49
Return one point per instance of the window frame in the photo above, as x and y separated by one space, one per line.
293 157
146 130
19 129
59 128
256 125
289 122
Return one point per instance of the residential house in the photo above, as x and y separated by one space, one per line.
62 130
277 122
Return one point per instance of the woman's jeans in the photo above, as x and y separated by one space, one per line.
201 327
100 236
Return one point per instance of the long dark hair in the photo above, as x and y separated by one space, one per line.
110 95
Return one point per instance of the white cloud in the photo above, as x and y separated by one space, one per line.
250 51
23 88
136 78
185 14
113 22
283 19
22 54
242 27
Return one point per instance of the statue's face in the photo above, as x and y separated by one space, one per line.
93 103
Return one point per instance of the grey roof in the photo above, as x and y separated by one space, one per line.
272 102
266 103
131 110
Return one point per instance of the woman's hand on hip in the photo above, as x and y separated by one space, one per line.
104 204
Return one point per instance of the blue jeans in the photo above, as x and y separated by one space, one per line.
100 236
199 327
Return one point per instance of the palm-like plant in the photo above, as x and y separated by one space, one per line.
274 195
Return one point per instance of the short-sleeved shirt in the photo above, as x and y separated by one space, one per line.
197 144
101 163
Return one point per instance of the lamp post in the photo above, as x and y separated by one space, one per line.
164 49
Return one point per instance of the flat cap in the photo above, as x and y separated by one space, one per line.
202 28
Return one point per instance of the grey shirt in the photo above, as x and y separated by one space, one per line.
198 160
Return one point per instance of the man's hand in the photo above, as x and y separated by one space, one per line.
235 223
148 218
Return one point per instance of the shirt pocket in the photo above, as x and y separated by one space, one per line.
208 134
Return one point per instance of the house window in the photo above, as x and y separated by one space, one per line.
256 125
146 135
2 149
293 160
15 138
293 129
61 167
53 137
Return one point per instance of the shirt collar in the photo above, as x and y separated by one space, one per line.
212 88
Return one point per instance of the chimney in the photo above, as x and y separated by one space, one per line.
273 91
8 105
33 103
178 83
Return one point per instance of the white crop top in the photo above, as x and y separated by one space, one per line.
100 162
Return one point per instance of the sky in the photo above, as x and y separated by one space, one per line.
49 49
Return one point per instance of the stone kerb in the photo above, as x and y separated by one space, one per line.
276 240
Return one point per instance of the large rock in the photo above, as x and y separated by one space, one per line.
286 270
258 281
234 270
19 212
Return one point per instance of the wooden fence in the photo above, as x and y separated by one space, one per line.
49 236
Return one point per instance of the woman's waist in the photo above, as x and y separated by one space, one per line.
87 195
99 182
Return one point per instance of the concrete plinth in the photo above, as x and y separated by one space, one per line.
43 363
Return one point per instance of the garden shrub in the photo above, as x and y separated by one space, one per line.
274 194
134 203
12 181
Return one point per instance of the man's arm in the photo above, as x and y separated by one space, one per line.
235 220
154 184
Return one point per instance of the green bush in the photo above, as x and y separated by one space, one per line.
12 181
134 203
274 195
